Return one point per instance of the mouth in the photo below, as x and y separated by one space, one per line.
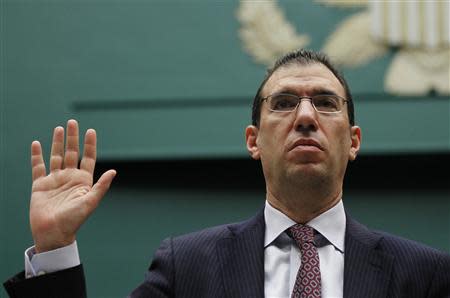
306 143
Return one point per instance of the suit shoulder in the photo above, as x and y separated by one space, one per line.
398 244
213 234
206 234
403 249
412 254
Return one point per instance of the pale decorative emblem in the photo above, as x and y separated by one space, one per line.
419 30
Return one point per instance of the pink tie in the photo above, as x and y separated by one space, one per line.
307 283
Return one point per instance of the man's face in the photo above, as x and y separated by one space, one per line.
303 144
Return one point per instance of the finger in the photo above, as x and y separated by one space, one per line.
37 161
89 151
100 188
57 153
72 145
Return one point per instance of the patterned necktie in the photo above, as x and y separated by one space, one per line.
307 283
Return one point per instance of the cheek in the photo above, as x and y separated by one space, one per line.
270 141
345 146
340 142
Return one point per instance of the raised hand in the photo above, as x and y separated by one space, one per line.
62 200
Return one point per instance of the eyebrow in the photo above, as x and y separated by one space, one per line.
314 91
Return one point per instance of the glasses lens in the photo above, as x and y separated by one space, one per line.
283 102
327 103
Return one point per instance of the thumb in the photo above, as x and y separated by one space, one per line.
100 188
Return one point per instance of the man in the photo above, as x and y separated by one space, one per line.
301 245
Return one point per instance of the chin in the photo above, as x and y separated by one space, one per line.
307 171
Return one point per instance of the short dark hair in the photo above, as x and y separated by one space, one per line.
302 57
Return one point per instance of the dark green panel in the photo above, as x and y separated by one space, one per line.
112 49
403 124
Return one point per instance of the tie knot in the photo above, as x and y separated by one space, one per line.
302 234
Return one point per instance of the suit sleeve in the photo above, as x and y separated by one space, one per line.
160 278
68 283
440 285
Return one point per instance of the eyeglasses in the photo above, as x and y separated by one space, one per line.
322 103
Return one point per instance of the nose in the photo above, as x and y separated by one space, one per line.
305 116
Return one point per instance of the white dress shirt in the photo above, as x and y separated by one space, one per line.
282 256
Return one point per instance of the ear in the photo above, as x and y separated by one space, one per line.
251 135
356 142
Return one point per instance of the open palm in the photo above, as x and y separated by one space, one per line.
63 199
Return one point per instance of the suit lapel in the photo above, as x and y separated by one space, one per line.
367 270
241 257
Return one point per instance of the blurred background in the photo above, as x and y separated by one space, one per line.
168 85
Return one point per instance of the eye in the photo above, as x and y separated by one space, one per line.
326 103
283 102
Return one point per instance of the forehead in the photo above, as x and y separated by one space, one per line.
303 79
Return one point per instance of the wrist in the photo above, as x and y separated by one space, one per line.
41 246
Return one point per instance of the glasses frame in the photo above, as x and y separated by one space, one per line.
301 98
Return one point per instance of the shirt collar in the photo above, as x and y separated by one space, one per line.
330 224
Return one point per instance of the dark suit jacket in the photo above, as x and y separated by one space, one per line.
228 261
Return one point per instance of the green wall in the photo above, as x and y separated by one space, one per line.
168 87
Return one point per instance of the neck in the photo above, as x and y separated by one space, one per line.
302 206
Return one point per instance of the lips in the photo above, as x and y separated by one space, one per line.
306 142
